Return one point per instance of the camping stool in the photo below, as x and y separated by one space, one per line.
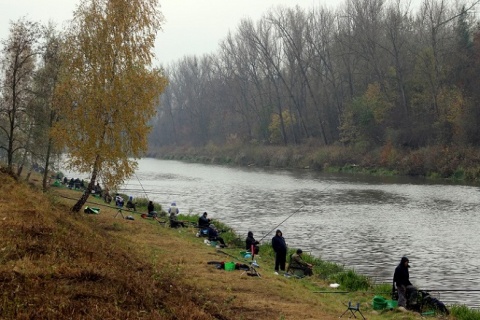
353 309
119 212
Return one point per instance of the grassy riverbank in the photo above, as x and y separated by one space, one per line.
455 163
58 265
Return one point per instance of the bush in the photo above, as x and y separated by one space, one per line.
350 280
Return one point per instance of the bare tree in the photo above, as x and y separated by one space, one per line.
17 66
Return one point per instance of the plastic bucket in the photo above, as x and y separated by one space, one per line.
229 266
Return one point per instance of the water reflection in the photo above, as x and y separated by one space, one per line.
365 223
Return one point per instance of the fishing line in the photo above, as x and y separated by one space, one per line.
328 186
142 187
282 222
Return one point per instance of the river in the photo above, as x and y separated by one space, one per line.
363 222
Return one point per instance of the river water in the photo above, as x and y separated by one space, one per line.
363 222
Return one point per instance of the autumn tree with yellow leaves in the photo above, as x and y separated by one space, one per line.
108 89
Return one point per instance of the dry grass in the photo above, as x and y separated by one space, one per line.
56 265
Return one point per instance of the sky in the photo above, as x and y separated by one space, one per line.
191 27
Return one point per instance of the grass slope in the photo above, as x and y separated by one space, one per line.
58 265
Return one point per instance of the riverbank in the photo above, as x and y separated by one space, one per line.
454 163
59 265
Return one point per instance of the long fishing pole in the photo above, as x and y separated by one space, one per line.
146 195
328 186
427 290
294 212
450 290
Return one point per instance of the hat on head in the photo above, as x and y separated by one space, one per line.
404 259
299 251
250 233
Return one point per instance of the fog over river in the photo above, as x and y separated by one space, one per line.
363 222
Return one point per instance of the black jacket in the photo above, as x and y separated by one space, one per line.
203 221
279 245
250 241
401 277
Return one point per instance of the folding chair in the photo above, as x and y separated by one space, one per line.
353 309
119 212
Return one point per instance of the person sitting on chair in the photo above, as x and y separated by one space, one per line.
174 223
131 204
213 235
407 293
297 262
119 201
97 189
151 210
250 241
203 221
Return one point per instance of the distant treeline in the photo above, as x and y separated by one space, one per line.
370 74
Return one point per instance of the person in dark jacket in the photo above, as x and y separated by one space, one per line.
250 241
406 291
213 235
131 204
280 247
151 210
203 221
297 262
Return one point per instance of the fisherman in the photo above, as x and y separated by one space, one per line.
97 189
213 235
174 222
297 262
203 221
251 242
119 200
131 204
151 210
407 293
280 247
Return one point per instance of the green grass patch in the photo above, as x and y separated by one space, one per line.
462 312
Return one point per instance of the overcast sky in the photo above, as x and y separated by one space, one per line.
191 26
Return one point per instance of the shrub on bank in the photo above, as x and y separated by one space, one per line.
452 162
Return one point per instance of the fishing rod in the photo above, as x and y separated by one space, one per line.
150 191
328 186
228 254
106 205
450 290
282 221
427 290
142 187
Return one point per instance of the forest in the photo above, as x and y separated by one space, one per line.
371 83
369 74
